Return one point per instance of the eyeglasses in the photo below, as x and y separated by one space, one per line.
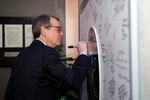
58 28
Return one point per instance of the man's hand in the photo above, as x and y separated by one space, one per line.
92 46
82 47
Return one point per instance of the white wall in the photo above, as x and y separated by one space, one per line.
144 46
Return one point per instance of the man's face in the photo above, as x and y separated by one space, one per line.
54 34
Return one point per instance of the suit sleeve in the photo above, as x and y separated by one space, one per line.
57 71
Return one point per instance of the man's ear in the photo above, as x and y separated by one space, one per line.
43 31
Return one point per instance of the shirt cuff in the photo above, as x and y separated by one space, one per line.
84 53
92 53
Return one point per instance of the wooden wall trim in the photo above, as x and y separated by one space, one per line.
71 27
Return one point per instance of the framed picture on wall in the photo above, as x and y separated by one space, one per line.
28 34
15 35
1 42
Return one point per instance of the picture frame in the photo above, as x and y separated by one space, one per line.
14 37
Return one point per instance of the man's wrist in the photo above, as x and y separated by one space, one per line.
92 53
88 54
84 53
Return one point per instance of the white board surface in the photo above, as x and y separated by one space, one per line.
110 18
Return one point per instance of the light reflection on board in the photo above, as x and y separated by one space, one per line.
90 88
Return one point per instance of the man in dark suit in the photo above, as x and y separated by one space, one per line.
38 71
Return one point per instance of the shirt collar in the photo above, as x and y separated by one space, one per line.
41 41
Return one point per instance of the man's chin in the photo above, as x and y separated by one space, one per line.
58 44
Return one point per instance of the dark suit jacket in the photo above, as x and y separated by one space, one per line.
38 71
